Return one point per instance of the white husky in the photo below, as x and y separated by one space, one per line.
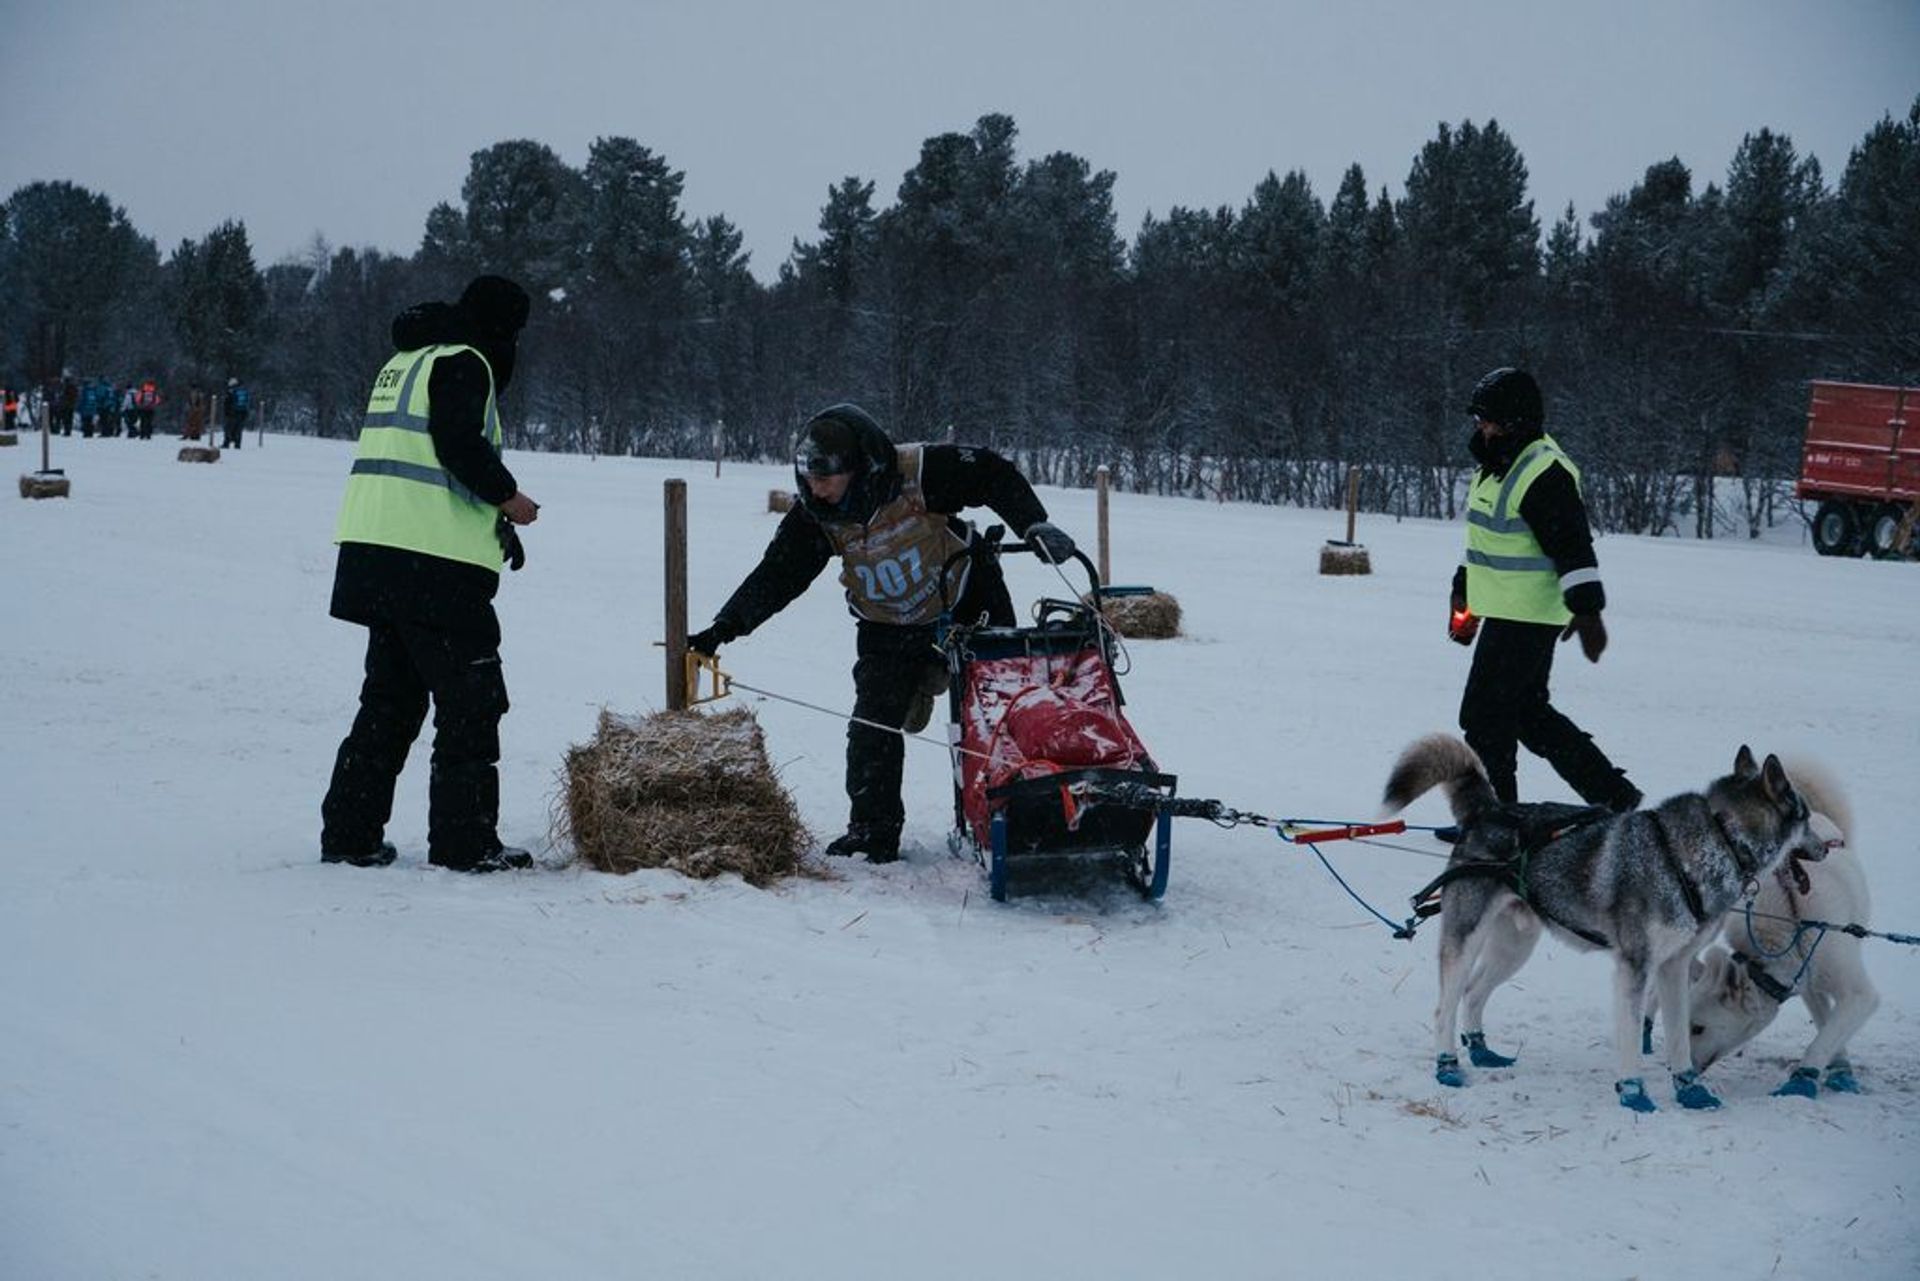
1769 958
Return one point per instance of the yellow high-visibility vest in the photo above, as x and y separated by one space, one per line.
1508 574
398 494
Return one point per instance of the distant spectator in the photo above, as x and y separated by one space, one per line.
65 398
88 411
129 414
10 407
146 403
106 406
238 404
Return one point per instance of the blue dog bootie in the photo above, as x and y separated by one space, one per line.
1446 1070
1803 1084
1840 1078
1633 1094
1689 1091
1480 1056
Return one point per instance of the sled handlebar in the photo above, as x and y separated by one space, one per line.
992 543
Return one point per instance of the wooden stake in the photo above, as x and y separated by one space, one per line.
1353 498
676 579
1100 482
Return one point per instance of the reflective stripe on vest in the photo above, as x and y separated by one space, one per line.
891 566
1509 575
398 494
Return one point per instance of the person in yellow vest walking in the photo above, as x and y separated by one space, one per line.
890 513
426 523
1529 579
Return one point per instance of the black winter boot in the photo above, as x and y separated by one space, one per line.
500 858
879 844
379 857
1626 800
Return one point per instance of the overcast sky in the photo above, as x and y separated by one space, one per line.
352 118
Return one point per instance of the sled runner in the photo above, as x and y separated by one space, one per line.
1037 719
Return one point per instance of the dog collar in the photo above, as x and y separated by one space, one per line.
1777 991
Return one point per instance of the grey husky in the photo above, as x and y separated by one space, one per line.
1651 886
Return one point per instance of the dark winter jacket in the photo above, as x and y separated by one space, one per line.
1553 510
952 478
375 584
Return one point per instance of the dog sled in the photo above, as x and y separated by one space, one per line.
1037 729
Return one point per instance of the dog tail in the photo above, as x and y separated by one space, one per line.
1436 760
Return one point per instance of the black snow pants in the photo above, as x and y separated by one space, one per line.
891 665
406 665
1506 705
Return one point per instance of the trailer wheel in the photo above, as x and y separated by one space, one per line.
1882 528
1836 530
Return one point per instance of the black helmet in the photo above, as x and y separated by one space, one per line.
841 440
1509 397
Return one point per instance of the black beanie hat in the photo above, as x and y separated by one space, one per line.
1510 397
497 306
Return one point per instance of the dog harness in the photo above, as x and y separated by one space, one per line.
1525 836
1672 860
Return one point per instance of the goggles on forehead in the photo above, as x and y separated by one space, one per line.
814 462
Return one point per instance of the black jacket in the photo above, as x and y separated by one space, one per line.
952 478
375 584
1554 511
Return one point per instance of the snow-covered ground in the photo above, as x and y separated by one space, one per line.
219 1058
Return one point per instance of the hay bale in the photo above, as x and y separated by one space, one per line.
8 438
779 500
1344 558
684 790
198 454
1155 616
44 484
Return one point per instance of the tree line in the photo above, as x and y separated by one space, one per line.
1251 353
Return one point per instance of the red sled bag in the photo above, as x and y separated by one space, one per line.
1036 715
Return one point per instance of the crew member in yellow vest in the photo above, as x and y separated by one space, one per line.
1529 578
890 513
426 523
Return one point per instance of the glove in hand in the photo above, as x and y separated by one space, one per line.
511 548
1592 633
1052 542
708 641
1462 623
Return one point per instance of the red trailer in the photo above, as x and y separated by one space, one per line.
1861 463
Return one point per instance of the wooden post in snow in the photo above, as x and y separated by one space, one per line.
1353 498
1100 482
676 578
1347 557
